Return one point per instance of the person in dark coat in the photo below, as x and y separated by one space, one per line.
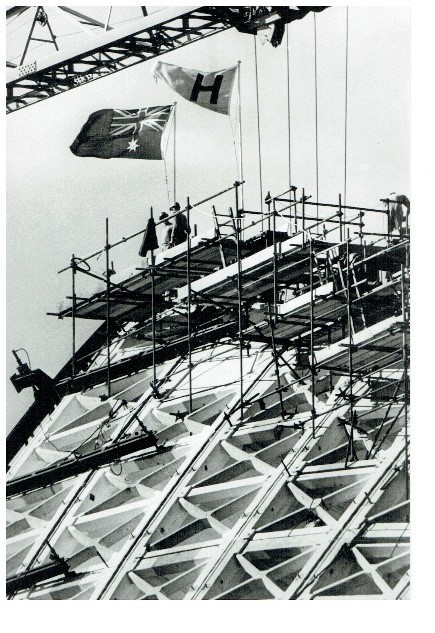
398 213
179 232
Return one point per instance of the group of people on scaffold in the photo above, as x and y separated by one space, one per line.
175 223
174 227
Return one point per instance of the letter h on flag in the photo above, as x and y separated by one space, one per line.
199 87
209 90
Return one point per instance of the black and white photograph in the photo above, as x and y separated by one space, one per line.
208 224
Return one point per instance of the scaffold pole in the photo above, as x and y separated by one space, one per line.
107 249
312 360
275 264
239 292
73 316
405 377
153 309
349 452
189 299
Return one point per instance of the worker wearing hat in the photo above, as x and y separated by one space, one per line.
175 227
167 231
179 232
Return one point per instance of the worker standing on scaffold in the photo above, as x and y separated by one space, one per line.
167 231
174 228
397 215
180 228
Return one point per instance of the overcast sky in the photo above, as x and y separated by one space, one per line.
57 203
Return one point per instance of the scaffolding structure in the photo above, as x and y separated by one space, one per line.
238 425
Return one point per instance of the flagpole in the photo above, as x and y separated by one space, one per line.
258 133
240 127
175 148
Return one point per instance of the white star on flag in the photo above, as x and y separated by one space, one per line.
132 145
124 133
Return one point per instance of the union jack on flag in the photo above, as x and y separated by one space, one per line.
126 122
123 133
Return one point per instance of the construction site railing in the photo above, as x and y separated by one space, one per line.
79 260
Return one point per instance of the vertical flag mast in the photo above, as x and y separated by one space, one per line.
258 131
240 127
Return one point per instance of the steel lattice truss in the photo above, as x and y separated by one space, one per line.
277 505
264 511
116 49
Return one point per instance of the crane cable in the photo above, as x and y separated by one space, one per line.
315 99
345 106
258 131
174 110
288 110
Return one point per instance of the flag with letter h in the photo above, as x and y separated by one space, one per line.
211 90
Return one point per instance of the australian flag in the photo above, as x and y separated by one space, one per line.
123 133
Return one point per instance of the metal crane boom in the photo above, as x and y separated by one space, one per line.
118 48
109 52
